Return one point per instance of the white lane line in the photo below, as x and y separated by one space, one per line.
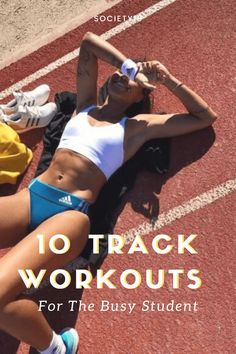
182 210
163 219
72 55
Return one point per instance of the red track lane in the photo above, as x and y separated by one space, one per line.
194 40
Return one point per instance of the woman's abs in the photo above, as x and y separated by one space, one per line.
75 174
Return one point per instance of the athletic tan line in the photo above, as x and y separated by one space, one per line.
72 55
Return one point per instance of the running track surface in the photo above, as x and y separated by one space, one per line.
196 41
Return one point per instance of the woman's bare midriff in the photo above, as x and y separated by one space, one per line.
75 174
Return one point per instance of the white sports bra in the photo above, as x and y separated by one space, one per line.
103 145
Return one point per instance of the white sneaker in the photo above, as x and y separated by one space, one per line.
27 118
36 97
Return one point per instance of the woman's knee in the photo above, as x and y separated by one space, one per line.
79 227
72 224
77 223
81 220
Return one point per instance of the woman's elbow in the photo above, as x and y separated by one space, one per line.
88 37
212 116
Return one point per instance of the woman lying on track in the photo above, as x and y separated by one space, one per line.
94 144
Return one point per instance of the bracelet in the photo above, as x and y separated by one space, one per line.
129 68
178 85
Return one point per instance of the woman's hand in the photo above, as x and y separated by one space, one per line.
154 71
143 81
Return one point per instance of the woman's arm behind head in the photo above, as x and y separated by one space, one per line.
87 74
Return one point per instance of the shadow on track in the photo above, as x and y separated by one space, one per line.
184 151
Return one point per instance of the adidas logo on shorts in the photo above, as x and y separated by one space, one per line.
66 200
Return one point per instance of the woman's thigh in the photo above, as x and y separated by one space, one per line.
25 255
14 218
